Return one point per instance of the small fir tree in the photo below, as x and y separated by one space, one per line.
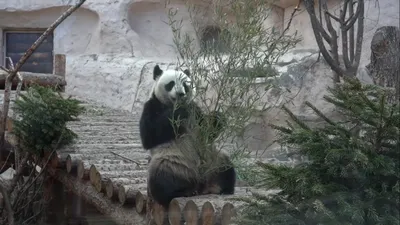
352 172
43 114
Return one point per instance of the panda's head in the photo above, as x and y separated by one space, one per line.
173 86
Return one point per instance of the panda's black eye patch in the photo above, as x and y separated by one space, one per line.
169 86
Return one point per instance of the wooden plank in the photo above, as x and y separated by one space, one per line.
59 64
38 78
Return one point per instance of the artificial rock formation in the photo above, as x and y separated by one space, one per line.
384 66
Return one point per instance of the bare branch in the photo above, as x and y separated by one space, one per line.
345 46
131 160
351 38
19 86
4 69
297 8
5 164
20 79
350 22
344 11
333 17
19 172
317 28
273 46
360 35
310 6
7 202
332 31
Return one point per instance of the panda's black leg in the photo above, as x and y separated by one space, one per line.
166 185
227 180
218 122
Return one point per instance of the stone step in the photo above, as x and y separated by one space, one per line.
89 106
85 141
107 137
106 134
110 129
103 113
103 148
134 153
84 123
109 118
124 156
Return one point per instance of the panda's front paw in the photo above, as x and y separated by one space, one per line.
181 113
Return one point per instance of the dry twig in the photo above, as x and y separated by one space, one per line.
7 203
19 86
131 160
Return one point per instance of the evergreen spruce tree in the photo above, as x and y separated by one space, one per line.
353 167
42 117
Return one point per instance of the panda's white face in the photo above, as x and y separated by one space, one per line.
173 86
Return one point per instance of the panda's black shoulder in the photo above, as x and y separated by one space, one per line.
154 107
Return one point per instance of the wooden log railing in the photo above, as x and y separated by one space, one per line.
41 79
128 188
115 191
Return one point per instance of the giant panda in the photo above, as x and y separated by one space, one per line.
175 164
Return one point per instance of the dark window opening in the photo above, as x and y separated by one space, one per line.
17 42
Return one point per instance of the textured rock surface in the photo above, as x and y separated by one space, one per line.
304 78
119 82
139 28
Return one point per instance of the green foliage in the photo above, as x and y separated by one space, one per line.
43 114
352 176
227 49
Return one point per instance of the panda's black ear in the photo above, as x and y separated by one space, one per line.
157 71
187 72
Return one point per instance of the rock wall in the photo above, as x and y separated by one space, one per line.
139 28
118 81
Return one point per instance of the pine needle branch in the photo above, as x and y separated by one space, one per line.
295 119
280 128
319 113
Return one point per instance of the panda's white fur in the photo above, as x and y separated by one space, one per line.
174 169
